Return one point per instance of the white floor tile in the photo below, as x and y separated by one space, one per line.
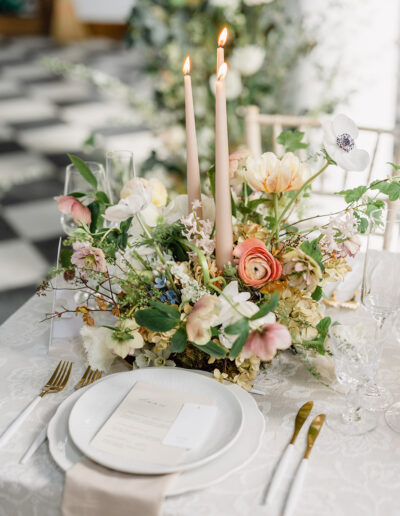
26 71
9 87
59 90
24 110
54 138
96 114
140 143
20 264
36 220
18 167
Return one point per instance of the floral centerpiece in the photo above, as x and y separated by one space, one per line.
151 264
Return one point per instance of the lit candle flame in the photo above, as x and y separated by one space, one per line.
186 66
223 70
223 37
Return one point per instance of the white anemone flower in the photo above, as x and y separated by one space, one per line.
136 202
229 315
339 141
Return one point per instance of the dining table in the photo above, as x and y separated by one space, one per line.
347 475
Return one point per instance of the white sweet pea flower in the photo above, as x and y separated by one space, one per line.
248 60
228 315
135 202
339 141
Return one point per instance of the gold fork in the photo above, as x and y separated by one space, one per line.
89 376
56 383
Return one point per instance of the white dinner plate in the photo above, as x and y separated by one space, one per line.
66 455
98 403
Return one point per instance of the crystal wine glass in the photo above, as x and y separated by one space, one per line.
380 295
120 168
356 351
74 182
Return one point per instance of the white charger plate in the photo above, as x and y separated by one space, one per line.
66 455
98 403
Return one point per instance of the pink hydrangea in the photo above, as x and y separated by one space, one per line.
88 257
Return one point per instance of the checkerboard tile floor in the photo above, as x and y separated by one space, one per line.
42 117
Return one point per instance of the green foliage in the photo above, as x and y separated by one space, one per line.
354 194
84 170
267 307
292 140
242 329
312 249
179 341
212 349
389 188
65 258
168 237
318 343
317 294
155 319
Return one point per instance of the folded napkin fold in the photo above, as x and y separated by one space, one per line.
92 490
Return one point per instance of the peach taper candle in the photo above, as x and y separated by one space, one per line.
192 157
223 218
222 39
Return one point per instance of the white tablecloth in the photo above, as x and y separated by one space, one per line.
357 476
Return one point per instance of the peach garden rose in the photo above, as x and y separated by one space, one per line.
257 266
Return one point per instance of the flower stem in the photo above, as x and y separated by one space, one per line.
300 191
276 213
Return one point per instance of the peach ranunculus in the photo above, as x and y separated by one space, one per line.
265 342
270 174
70 205
237 160
200 320
257 266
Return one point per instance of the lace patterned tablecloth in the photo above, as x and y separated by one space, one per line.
357 476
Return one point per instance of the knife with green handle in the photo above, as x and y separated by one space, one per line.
297 484
301 417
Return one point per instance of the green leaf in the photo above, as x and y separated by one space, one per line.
169 310
353 194
84 170
362 225
155 320
323 326
317 294
292 140
391 189
77 194
65 258
267 307
238 344
211 177
94 208
239 326
102 197
179 341
396 167
312 249
212 349
125 225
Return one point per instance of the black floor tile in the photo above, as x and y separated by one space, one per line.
34 190
48 249
37 124
11 300
6 231
10 146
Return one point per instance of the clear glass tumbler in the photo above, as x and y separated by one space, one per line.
120 168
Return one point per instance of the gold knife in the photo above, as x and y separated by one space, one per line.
297 484
301 417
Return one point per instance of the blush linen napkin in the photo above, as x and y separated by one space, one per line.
92 490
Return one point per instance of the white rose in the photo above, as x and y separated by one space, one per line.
248 60
233 84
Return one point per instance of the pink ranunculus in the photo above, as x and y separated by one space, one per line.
257 266
87 257
265 342
71 206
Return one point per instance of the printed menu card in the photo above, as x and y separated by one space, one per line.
156 425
